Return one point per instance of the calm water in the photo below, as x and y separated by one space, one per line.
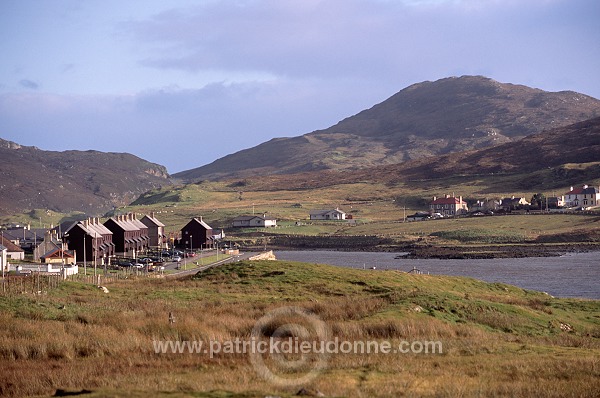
571 275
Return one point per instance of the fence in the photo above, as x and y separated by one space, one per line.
33 283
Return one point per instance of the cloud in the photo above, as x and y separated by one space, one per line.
180 128
29 84
363 39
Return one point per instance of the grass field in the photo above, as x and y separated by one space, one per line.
498 340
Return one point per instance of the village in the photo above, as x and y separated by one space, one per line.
140 242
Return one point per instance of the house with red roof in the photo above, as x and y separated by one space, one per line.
585 197
448 206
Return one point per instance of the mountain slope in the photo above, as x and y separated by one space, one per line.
425 119
554 158
88 181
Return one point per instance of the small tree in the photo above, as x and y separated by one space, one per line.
538 200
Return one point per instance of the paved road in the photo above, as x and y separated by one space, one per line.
188 266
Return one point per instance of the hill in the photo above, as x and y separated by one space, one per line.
555 158
423 120
87 181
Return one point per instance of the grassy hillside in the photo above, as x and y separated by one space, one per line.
497 340
427 119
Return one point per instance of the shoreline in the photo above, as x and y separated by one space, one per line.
424 251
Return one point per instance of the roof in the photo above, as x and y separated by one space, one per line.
248 218
125 225
153 220
95 230
10 247
56 253
447 201
582 191
316 212
512 200
24 233
202 223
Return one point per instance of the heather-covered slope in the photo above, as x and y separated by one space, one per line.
423 120
88 181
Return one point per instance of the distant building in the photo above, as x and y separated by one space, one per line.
57 255
585 197
448 206
335 214
513 203
90 240
254 221
130 236
196 234
555 202
418 216
13 251
3 258
156 231
486 205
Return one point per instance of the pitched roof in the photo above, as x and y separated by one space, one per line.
582 191
447 201
125 225
56 253
248 218
317 212
10 247
153 220
201 222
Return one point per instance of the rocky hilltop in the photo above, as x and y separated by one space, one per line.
88 181
423 120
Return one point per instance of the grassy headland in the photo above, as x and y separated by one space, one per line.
498 340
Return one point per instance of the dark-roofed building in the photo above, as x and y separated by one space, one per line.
196 234
585 196
254 221
156 231
25 237
127 235
90 240
514 203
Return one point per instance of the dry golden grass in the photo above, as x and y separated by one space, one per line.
497 342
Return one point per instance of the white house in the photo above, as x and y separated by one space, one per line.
13 251
254 221
584 197
3 263
335 214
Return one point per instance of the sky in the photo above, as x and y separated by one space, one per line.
182 83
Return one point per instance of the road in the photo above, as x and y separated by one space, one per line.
188 265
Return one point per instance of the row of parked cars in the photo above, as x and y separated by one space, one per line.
153 260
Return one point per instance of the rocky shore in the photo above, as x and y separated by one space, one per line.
427 250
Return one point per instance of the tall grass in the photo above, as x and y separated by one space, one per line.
498 340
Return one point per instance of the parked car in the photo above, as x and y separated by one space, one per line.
176 259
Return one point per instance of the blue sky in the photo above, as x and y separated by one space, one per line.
182 83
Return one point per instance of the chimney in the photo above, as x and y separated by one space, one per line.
460 199
571 189
434 198
152 214
446 196
512 197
